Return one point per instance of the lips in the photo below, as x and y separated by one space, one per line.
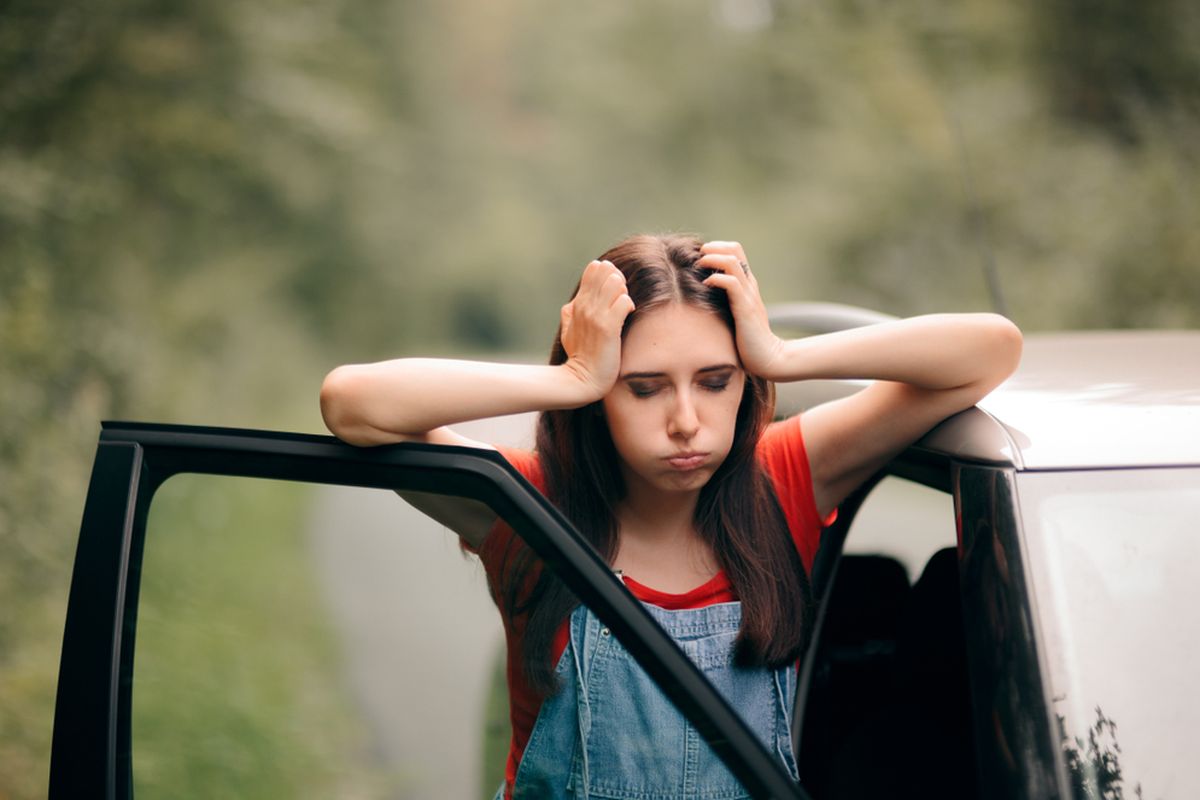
687 461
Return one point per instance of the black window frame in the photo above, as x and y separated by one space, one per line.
1018 741
91 747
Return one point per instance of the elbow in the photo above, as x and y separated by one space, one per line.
339 402
1008 343
1002 343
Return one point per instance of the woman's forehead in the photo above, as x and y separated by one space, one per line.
677 337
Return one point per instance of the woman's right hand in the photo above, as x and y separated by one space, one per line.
591 328
408 399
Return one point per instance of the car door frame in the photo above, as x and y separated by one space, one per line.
92 737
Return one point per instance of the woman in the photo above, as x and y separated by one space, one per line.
655 439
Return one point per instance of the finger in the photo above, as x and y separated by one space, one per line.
603 271
593 294
616 273
733 249
622 306
593 274
731 264
613 287
728 248
732 286
615 278
728 263
597 301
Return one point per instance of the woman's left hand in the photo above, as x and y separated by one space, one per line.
758 347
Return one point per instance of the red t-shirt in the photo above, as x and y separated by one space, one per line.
781 453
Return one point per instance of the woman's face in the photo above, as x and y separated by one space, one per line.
673 410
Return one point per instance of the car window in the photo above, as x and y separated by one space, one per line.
1114 559
904 521
309 641
887 711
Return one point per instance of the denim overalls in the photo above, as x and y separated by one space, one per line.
611 733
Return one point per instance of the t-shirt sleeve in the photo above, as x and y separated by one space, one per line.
781 453
525 462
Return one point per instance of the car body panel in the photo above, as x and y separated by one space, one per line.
1078 401
1104 399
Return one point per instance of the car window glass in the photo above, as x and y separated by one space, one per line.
1114 560
297 640
904 521
887 708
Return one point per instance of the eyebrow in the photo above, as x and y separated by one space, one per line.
629 376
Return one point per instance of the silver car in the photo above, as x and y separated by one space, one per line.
1023 622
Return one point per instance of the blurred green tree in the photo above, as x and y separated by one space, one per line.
205 205
1107 63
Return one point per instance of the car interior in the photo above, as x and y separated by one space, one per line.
887 711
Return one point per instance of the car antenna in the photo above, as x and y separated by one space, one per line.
975 219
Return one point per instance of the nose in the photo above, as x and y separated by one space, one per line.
683 422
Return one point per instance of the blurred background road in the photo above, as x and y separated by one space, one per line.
419 632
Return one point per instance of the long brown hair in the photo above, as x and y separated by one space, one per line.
737 512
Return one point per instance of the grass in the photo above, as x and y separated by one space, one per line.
497 730
237 689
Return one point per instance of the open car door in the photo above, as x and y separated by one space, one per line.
91 751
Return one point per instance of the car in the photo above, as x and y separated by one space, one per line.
1007 610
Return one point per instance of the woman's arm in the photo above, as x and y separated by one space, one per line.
415 398
412 399
967 353
925 369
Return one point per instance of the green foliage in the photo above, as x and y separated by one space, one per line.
497 729
1105 62
1094 765
238 692
145 271
204 205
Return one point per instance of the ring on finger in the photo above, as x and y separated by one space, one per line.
745 267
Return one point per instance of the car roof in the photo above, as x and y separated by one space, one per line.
1084 400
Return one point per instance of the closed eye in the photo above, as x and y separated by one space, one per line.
644 389
715 379
710 379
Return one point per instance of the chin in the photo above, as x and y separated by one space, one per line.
686 481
